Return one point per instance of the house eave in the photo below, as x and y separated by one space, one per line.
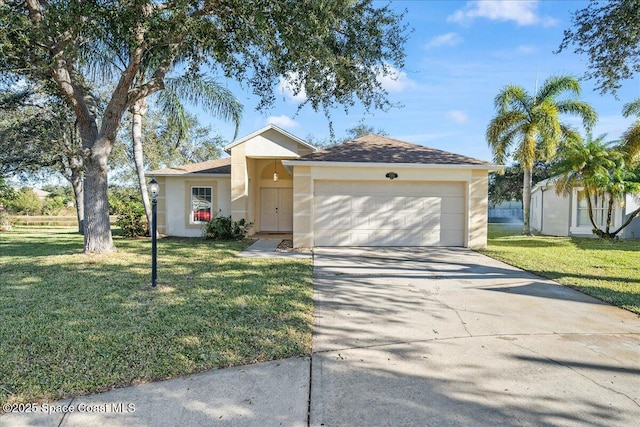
487 167
190 174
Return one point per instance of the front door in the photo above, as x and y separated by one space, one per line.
276 209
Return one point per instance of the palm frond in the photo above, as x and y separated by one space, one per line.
581 109
526 152
207 93
177 117
555 85
500 131
631 108
630 142
512 98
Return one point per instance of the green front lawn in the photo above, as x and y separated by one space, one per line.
608 270
73 324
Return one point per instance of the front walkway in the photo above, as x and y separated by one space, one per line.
266 248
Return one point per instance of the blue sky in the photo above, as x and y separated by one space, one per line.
458 57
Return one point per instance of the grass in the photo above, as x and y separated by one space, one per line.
73 324
607 270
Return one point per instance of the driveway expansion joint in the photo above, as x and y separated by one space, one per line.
466 337
587 377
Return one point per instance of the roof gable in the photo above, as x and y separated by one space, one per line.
382 149
271 141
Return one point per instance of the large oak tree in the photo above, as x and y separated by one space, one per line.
334 50
608 32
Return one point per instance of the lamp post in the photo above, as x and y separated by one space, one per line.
154 189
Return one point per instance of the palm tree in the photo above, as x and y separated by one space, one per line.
530 125
198 90
599 168
631 138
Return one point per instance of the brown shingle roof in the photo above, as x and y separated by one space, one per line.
382 149
218 166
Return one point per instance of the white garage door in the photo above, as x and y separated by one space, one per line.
387 213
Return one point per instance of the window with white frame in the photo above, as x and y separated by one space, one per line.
599 207
201 204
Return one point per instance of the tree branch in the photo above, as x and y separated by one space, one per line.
35 11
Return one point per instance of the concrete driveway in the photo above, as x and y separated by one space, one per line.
441 336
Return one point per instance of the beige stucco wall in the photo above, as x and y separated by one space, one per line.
239 183
477 208
262 177
476 183
271 144
162 205
174 207
252 169
302 207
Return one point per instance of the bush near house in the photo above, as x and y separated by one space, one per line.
224 228
132 219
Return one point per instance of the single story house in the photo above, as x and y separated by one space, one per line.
560 215
372 191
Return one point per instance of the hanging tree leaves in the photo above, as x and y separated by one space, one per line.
334 50
608 32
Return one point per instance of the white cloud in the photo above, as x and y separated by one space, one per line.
282 121
286 86
448 39
394 80
457 116
522 12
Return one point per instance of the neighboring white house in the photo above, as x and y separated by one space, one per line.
372 191
559 215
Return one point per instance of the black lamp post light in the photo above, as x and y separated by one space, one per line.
154 189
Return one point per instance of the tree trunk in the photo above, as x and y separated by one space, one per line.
609 213
138 110
526 201
596 230
630 218
97 230
76 183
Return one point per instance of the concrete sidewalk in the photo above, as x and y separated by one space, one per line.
265 394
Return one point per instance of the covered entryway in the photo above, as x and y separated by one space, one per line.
276 210
384 213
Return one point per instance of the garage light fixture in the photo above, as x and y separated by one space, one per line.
391 175
275 172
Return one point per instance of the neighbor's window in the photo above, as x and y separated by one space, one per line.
599 211
201 204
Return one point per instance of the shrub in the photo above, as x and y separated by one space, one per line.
224 228
132 219
52 206
25 202
5 220
120 197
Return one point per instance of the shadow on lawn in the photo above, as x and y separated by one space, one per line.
89 324
627 245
